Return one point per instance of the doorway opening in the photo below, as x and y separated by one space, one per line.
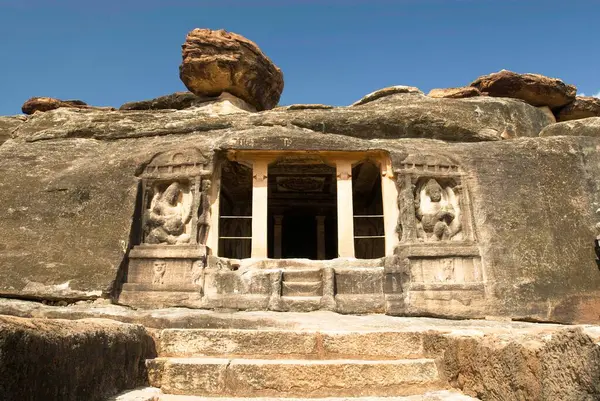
235 211
302 209
369 231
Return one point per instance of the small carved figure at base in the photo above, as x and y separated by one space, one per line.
197 273
437 212
166 219
159 268
204 219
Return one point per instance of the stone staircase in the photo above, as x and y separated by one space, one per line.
302 283
293 363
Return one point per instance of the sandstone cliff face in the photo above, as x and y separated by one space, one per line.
584 127
90 359
71 203
388 116
220 61
8 124
561 366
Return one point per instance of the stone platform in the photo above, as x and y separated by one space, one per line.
154 394
198 354
322 354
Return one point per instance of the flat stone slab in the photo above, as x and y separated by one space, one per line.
293 378
316 321
282 344
154 394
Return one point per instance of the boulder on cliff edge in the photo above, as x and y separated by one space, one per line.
454 93
49 103
221 61
581 107
535 89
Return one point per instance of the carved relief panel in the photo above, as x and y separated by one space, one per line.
176 198
434 205
175 219
437 245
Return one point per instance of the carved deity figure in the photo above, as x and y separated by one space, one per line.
437 212
167 217
159 268
204 219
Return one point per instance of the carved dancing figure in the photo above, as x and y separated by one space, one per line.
437 212
204 219
159 268
166 218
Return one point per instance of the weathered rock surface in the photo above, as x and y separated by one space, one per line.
48 103
177 100
70 206
42 359
561 366
8 124
391 90
535 89
581 107
220 61
306 107
454 93
533 271
584 127
392 116
493 360
222 104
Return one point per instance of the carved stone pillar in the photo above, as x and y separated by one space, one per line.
345 210
407 224
320 237
391 214
277 237
260 196
213 234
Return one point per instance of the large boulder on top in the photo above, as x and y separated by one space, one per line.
221 61
535 89
49 103
581 107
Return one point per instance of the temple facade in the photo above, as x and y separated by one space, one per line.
354 231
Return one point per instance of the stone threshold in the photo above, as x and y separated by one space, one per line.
154 394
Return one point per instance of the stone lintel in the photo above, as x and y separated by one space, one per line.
146 251
161 287
437 249
447 287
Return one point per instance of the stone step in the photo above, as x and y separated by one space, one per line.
293 378
302 288
297 344
302 275
154 394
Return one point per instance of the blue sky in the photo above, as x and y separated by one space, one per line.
334 52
